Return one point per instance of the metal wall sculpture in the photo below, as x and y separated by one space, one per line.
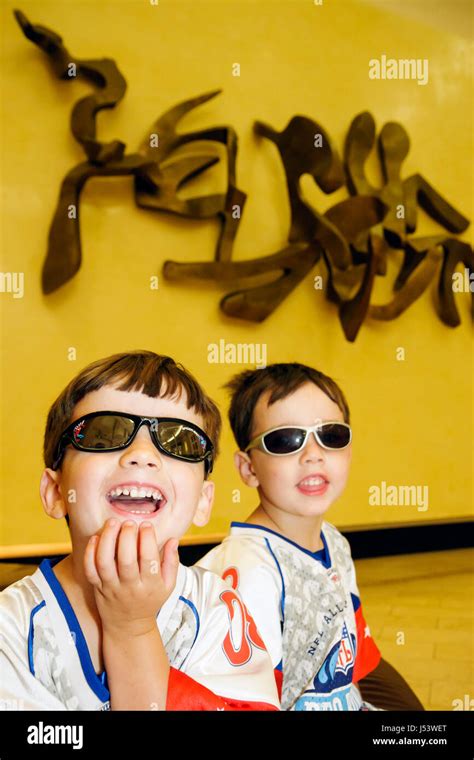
353 237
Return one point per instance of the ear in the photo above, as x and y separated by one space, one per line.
51 496
244 465
204 507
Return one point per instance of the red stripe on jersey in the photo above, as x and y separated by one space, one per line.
368 655
279 680
184 693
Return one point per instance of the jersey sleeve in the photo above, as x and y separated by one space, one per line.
228 667
19 688
368 654
252 570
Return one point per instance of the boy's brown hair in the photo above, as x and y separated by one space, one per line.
281 380
152 374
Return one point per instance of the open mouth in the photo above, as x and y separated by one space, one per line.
314 485
136 500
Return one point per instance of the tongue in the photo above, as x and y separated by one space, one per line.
143 504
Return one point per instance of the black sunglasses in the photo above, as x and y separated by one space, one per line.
112 431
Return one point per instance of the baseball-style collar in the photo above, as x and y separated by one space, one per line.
322 555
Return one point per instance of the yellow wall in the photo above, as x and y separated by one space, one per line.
413 419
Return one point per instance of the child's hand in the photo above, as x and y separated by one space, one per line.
130 581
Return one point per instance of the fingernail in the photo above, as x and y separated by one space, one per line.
129 524
112 522
146 525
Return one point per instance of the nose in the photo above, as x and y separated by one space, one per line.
312 452
142 452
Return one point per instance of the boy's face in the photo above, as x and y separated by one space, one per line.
290 483
82 487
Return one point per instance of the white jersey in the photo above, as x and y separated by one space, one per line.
307 609
45 663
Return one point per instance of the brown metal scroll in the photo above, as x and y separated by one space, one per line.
354 237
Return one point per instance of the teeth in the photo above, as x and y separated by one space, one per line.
313 482
136 493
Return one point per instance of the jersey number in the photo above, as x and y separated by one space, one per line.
240 654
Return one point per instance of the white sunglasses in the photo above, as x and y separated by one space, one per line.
285 440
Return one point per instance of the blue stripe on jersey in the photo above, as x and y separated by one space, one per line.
31 635
322 555
103 679
91 676
196 615
355 602
282 600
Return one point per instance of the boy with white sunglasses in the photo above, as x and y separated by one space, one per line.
292 568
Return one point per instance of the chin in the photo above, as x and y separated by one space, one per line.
316 510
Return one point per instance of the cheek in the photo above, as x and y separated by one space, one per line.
340 467
187 481
85 477
276 471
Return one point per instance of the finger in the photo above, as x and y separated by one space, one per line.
105 552
148 552
90 569
127 559
170 563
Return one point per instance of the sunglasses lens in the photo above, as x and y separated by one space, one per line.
334 436
284 441
182 441
103 432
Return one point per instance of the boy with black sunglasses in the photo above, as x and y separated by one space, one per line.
119 623
293 569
